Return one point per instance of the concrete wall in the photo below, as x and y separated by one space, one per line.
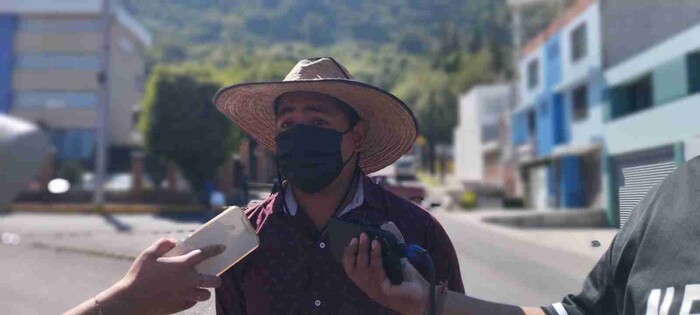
580 70
642 24
81 42
646 61
67 118
660 125
127 79
37 80
691 147
587 70
484 104
527 95
589 130
468 157
553 63
550 106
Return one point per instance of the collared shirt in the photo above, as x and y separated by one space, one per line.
293 270
356 201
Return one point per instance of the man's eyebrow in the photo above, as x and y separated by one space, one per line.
308 108
318 109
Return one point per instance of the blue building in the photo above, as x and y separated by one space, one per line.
605 113
557 124
652 115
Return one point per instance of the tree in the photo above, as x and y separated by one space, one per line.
412 42
469 70
434 105
436 114
181 124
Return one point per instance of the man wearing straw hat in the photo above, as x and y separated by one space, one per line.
328 131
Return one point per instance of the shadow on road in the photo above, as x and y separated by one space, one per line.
112 220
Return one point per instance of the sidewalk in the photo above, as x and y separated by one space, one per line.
574 241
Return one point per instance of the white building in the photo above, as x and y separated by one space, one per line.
480 135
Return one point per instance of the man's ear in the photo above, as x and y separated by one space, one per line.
358 135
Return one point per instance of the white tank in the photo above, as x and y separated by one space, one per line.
23 148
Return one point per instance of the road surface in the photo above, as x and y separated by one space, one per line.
37 279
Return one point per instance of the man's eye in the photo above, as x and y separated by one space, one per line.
285 125
318 123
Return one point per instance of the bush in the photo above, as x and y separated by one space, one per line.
467 200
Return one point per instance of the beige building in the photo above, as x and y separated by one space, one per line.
50 60
481 138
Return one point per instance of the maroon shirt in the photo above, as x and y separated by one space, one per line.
294 272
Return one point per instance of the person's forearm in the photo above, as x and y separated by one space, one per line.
111 301
453 303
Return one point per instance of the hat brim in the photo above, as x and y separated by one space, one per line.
391 126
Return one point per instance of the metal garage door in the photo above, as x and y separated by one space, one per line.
639 180
637 173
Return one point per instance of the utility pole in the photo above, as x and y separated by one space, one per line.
103 107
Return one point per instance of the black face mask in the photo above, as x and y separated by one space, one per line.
310 157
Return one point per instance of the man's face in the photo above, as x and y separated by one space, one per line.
317 110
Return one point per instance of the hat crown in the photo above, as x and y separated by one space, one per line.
318 69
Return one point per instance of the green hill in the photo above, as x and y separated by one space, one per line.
187 27
424 51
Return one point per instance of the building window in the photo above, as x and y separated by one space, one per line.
694 72
54 62
533 74
48 100
490 132
579 45
632 98
73 144
579 100
531 122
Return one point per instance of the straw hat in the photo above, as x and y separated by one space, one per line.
391 126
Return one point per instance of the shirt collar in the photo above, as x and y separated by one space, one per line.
356 201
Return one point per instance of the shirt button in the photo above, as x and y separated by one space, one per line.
322 245
317 302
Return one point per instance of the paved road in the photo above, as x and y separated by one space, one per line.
510 268
39 280
36 278
501 268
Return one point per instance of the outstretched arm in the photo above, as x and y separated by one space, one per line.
155 284
364 267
